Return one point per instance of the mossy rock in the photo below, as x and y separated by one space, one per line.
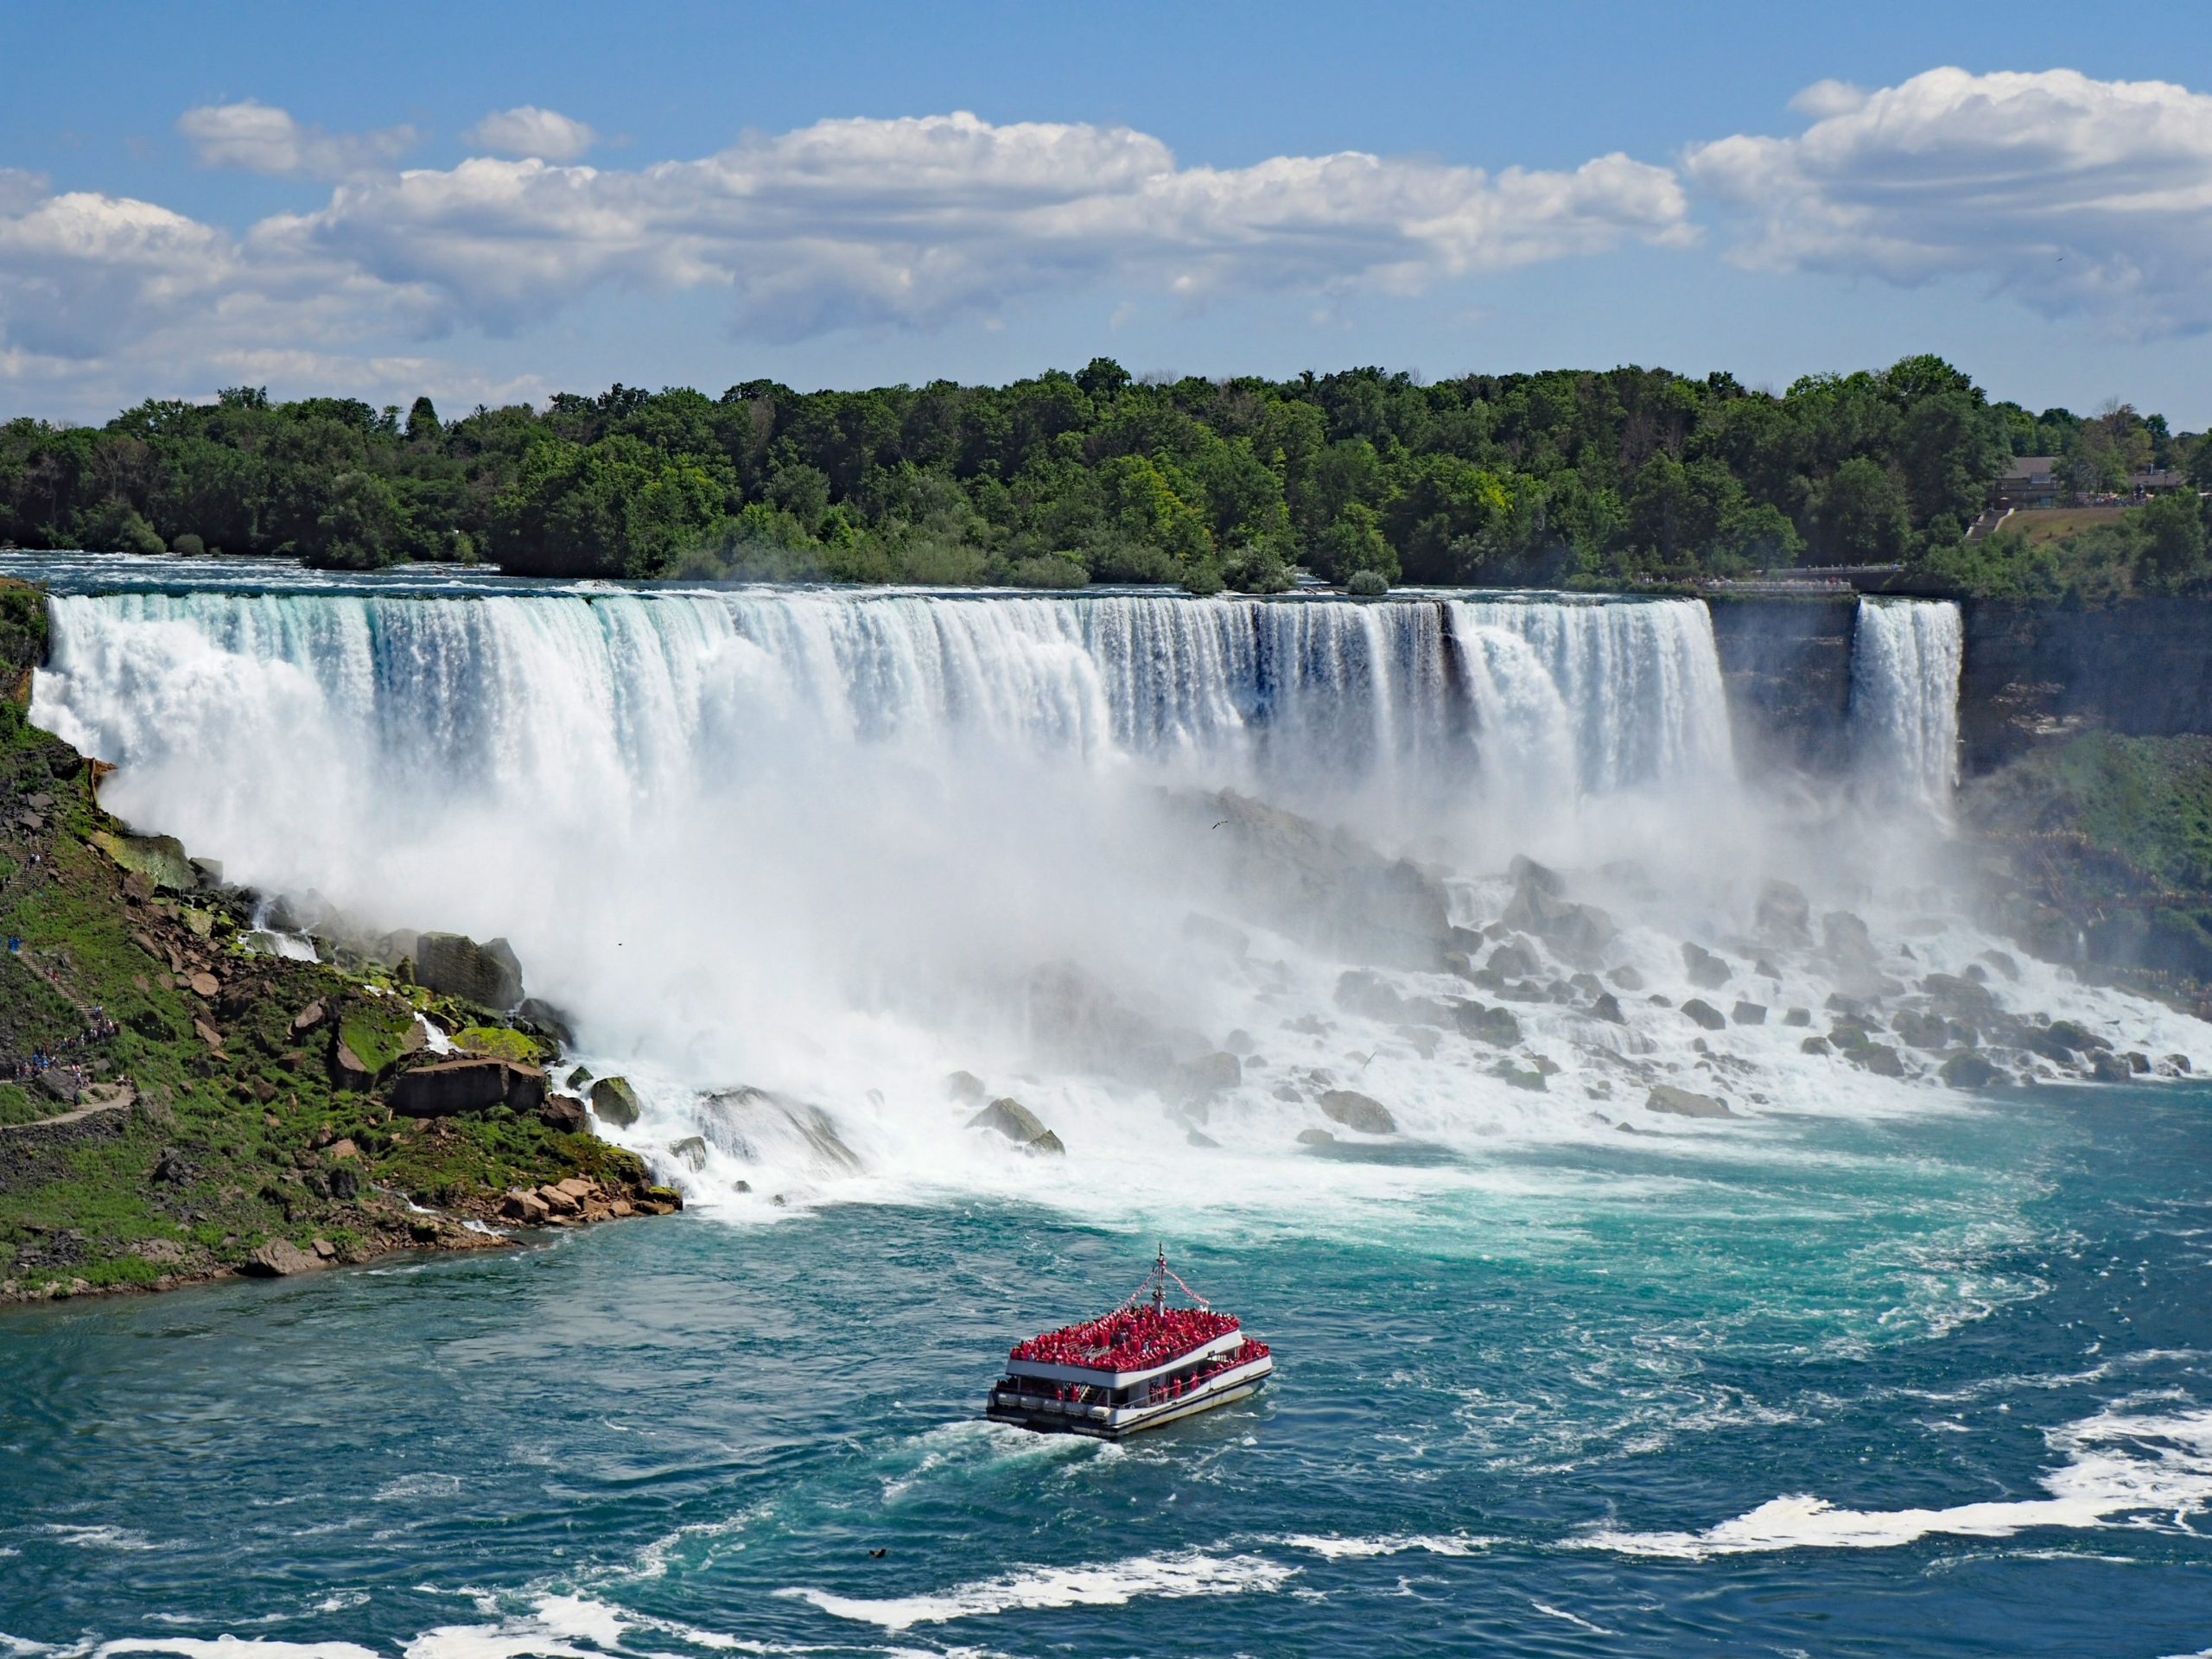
379 1030
159 858
499 1043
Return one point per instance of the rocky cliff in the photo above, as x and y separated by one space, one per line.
176 1103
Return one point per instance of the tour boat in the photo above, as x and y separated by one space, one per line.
1144 1364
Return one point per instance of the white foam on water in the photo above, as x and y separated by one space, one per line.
101 1537
234 1647
549 1631
2118 1465
1351 1549
1107 1583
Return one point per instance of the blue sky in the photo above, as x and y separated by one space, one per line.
191 197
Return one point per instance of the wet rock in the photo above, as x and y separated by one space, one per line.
2174 1065
2108 1067
452 964
1919 1030
279 1258
1323 885
691 1152
2140 1064
1969 1070
1532 1081
2003 963
1798 1017
1009 1117
1497 1027
613 1101
1316 1138
1766 969
1882 1061
1608 1009
1845 938
1783 914
1356 1112
1814 1045
1749 1013
1210 1074
1707 971
563 1114
1513 960
1195 1138
1627 978
735 1120
1368 995
547 1021
1704 1014
1666 1098
1576 932
1523 871
451 1088
965 1088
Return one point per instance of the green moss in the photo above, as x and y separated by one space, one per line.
502 1043
377 1029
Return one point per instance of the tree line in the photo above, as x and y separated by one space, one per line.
1615 478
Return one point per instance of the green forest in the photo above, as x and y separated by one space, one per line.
1618 478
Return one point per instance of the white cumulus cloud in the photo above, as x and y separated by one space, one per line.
861 223
528 131
913 221
252 138
2078 196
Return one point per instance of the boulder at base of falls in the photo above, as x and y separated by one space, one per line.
1682 1102
965 1088
1209 1074
1704 1014
451 1088
742 1120
1749 1013
1325 887
1798 1017
1707 971
1577 931
1783 914
1018 1124
1846 940
1316 1138
691 1152
1967 1070
613 1101
1607 1007
1358 1111
1497 1027
563 1114
546 1021
452 964
160 859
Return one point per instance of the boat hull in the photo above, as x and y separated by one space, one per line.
1118 1423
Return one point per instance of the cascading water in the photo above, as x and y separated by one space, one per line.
836 846
1905 656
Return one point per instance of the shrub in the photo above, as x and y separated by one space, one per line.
1367 584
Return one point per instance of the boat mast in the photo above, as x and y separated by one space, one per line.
1160 1279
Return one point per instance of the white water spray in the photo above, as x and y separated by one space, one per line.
839 845
1905 657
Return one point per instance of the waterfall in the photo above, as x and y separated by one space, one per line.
1905 656
838 845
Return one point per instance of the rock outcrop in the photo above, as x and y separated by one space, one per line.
452 964
451 1088
1009 1117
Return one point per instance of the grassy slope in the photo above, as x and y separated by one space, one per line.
244 1129
2109 839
